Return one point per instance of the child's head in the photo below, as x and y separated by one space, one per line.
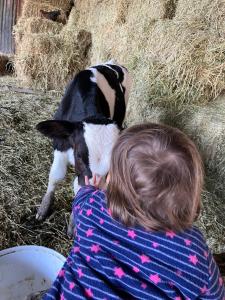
156 178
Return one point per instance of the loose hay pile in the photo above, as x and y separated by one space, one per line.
24 165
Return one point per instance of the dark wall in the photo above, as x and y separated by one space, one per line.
9 11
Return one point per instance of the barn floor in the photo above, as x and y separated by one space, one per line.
24 165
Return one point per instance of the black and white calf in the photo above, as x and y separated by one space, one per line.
86 125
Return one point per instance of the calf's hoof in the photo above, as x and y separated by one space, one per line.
46 203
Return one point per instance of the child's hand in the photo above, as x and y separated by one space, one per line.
96 181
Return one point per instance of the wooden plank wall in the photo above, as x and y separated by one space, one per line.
9 11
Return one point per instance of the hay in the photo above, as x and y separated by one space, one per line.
24 165
176 62
32 9
206 126
61 4
36 25
212 222
48 62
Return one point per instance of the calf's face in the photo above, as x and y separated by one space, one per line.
92 144
71 133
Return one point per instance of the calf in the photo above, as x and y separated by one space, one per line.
86 126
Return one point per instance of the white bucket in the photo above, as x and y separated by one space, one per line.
27 269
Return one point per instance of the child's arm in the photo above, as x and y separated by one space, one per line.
215 289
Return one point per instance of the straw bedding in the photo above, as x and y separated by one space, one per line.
24 165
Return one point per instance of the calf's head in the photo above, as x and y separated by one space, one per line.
66 135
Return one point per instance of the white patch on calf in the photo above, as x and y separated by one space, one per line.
127 83
70 156
100 140
76 186
108 92
58 169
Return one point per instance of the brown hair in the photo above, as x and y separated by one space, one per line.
156 178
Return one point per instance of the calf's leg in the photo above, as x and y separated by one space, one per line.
57 173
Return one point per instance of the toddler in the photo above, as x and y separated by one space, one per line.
136 239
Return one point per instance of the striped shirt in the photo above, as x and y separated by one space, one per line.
111 261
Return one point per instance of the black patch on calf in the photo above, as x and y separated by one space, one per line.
82 99
120 107
56 128
102 121
119 71
81 155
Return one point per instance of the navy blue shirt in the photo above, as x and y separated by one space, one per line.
111 261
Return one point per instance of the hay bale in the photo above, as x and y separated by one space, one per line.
206 126
36 25
176 61
24 165
48 62
61 4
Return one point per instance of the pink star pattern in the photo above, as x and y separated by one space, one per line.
72 285
155 278
131 234
88 258
119 272
80 212
144 285
187 242
61 273
88 293
171 284
178 298
136 269
204 289
95 248
91 200
80 273
62 297
155 245
206 254
76 249
178 272
102 208
101 221
193 259
170 234
144 259
220 281
89 212
89 232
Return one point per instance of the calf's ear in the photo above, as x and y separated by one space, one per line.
56 129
